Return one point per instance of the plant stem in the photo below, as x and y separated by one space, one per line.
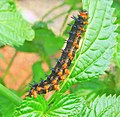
56 17
10 95
9 65
51 10
22 89
52 98
64 23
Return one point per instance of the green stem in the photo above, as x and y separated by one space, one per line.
51 10
9 65
10 95
56 17
64 23
52 98
22 89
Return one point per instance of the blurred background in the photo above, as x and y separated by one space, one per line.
22 65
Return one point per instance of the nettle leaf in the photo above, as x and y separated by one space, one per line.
14 30
63 106
32 107
117 52
104 107
116 5
98 45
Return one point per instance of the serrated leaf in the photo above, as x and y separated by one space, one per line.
117 12
98 45
32 107
64 106
67 105
14 29
102 107
105 107
117 52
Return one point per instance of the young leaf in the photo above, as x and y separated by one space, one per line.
98 45
32 107
14 30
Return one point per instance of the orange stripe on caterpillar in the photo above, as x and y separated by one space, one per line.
78 34
39 88
56 87
34 93
62 78
60 73
46 88
75 44
70 54
54 81
64 65
84 15
67 72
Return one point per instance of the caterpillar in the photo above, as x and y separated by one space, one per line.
61 69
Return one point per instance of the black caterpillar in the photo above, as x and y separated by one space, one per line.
61 69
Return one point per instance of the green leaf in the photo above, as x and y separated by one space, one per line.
91 89
65 106
105 107
75 4
117 52
117 12
6 107
38 72
32 107
102 107
44 42
72 2
1 45
14 29
98 45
